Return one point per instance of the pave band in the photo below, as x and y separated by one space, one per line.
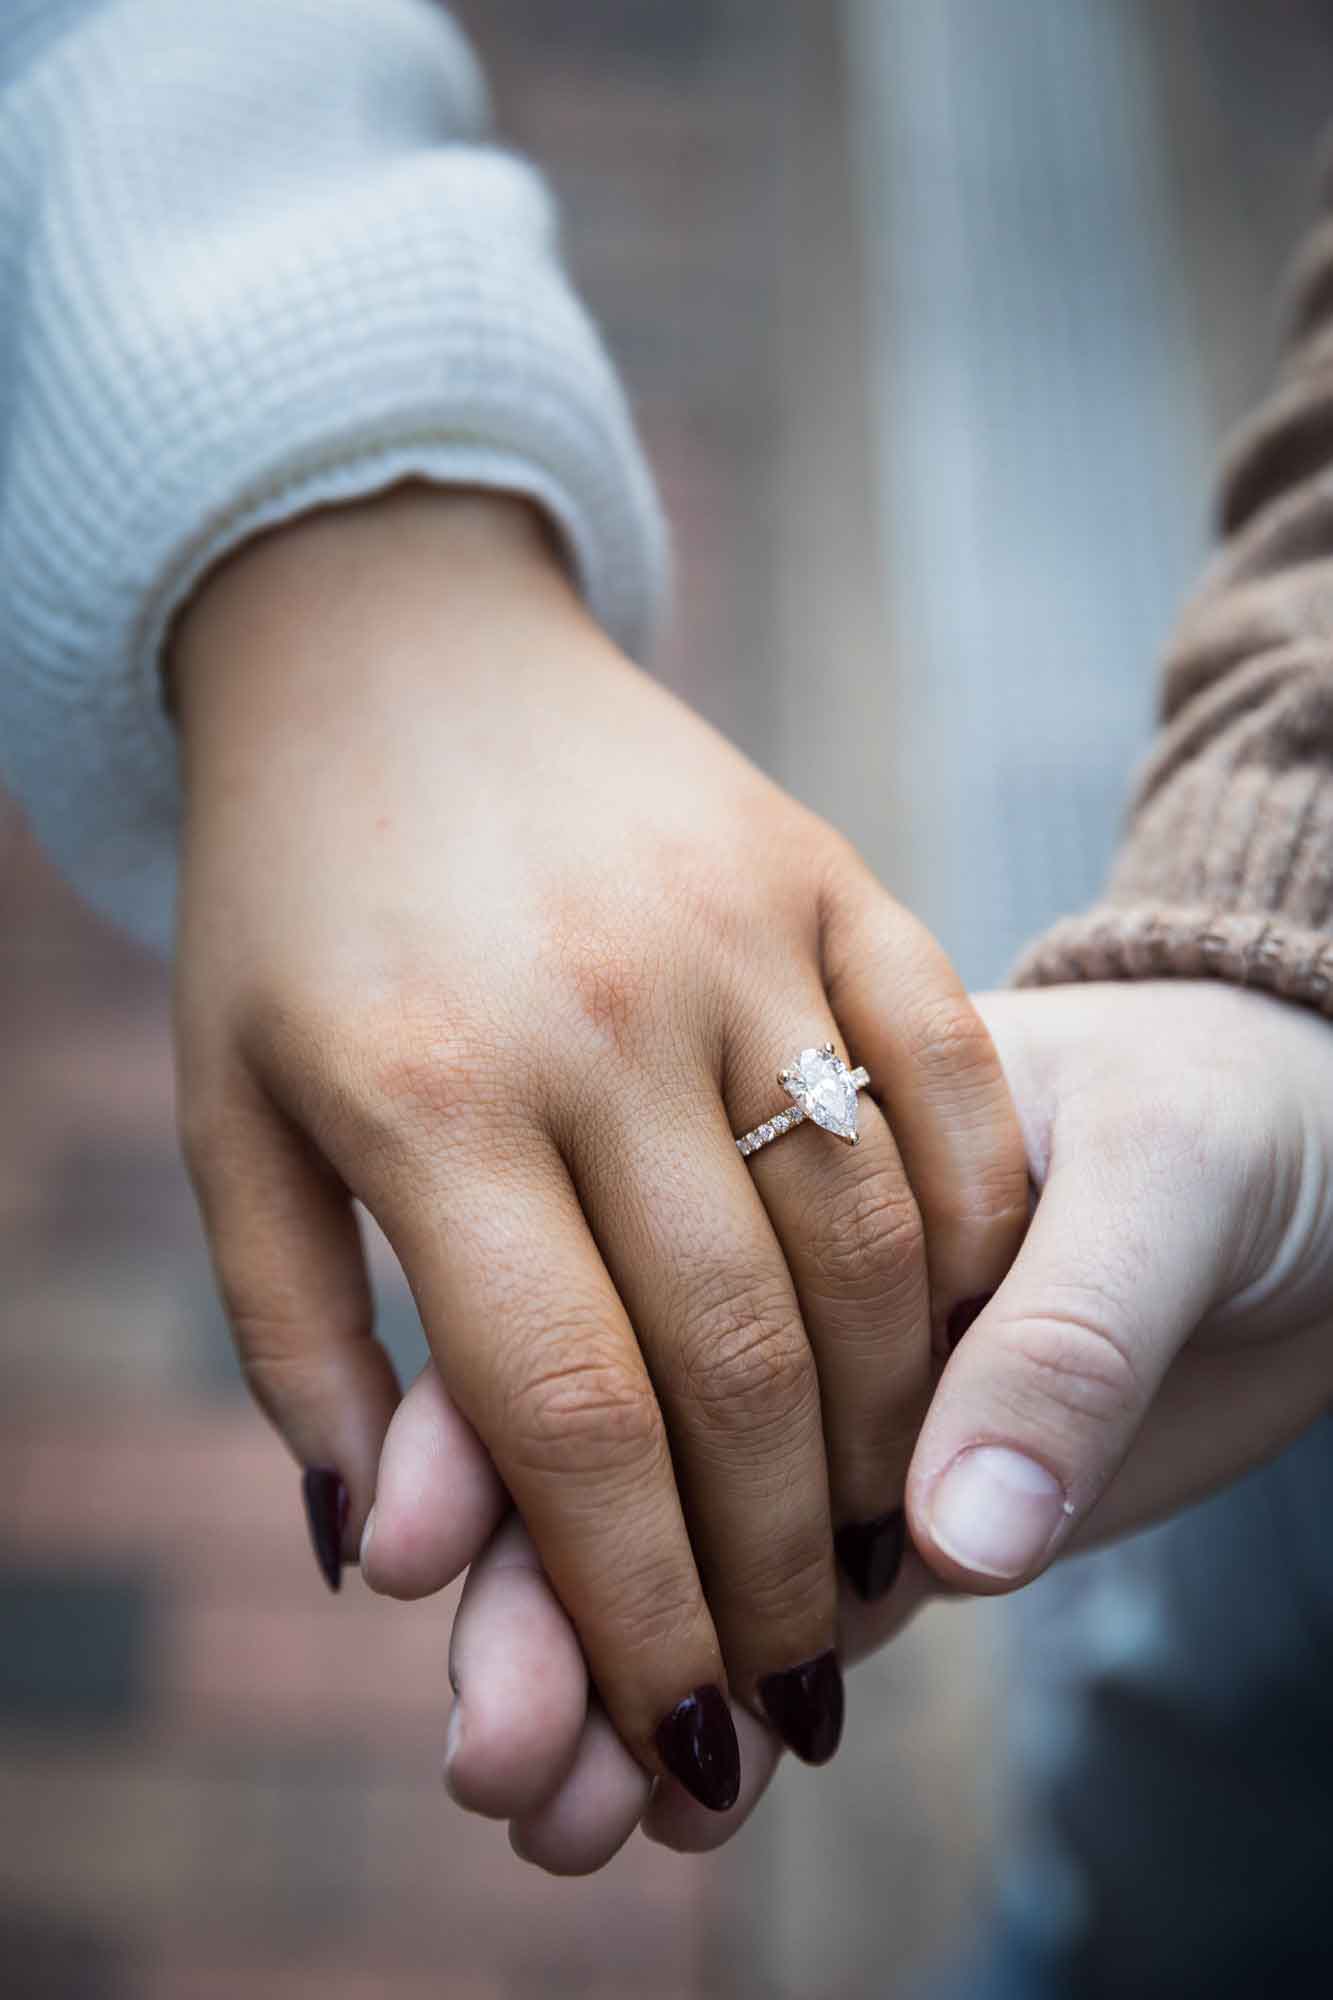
823 1092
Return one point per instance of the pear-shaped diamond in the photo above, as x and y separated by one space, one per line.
821 1084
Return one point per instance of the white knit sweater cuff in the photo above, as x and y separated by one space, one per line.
266 261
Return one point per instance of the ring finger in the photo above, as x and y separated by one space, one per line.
851 1231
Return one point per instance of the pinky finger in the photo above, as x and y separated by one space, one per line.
594 1811
520 1681
524 1741
290 1267
438 1499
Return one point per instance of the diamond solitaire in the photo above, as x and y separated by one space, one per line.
822 1089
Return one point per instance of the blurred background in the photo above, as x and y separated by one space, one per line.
933 312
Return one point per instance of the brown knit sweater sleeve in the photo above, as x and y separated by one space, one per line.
1227 867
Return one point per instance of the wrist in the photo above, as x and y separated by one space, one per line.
417 558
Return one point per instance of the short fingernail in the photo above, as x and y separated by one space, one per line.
871 1553
697 1743
805 1706
363 1552
962 1316
326 1504
995 1511
453 1735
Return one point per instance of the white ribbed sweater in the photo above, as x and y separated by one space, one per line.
255 256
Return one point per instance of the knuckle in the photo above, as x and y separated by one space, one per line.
612 993
1072 1356
747 1360
992 1195
657 1609
414 1098
869 1239
390 1062
278 1335
606 980
279 1373
288 1030
411 1075
953 1054
592 1415
791 1583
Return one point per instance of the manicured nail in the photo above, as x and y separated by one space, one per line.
995 1511
697 1743
962 1316
871 1553
325 1499
805 1706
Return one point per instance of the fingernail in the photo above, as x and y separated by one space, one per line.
697 1743
995 1511
366 1533
871 1553
453 1736
962 1316
325 1499
805 1706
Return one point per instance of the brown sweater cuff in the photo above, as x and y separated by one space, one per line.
1227 868
1148 943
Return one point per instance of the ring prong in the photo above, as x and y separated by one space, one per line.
826 1049
784 1076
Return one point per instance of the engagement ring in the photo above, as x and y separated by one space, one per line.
822 1089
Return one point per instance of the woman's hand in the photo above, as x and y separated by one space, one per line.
481 926
528 1741
1168 1325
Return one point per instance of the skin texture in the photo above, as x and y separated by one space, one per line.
481 927
1166 1327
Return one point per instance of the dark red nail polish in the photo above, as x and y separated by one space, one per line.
871 1553
325 1499
962 1316
697 1743
805 1706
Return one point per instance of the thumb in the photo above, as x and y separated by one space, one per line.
1043 1397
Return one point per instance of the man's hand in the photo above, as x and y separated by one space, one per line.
1169 1321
